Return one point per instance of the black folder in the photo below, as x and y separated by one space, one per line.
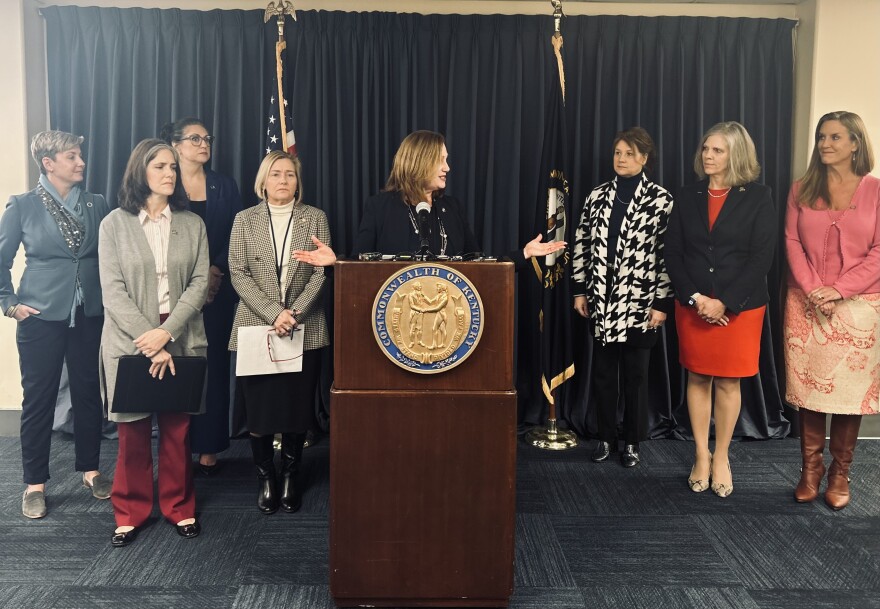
137 391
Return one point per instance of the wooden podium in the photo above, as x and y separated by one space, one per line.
422 466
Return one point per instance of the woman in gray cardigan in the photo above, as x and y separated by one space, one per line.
154 275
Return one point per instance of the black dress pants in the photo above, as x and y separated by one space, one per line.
43 347
621 368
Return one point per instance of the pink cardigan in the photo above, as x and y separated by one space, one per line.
805 237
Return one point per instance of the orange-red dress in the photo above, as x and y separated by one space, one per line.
726 351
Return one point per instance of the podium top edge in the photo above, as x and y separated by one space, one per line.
471 263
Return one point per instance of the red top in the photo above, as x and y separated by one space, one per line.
716 202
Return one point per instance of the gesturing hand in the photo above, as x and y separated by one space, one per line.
536 247
322 255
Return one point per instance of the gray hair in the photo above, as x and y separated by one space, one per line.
49 143
742 163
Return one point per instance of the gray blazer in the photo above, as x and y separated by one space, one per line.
128 279
252 272
49 280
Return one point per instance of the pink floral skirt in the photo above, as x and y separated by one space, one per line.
832 364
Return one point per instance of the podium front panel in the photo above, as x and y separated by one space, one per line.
423 493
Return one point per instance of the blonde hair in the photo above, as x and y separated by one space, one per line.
49 143
266 166
414 164
814 183
742 163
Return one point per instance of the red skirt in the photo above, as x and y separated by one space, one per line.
727 351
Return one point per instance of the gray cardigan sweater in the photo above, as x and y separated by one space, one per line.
131 303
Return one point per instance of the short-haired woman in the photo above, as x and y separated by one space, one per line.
215 199
58 309
621 285
154 273
277 290
719 247
832 313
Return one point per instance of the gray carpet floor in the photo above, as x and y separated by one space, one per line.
588 536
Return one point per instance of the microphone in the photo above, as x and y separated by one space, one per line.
423 211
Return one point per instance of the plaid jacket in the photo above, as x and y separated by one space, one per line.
252 272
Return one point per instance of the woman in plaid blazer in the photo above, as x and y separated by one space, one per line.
280 291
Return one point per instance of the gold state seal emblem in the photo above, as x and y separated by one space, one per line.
427 318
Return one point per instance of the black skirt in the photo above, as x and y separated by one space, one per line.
281 403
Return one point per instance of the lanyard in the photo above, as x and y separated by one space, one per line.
279 262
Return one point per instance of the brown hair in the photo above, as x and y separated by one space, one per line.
414 163
742 164
638 138
266 166
135 189
814 183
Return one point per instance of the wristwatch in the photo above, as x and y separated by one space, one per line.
693 299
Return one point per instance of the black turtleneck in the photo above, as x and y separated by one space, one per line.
626 190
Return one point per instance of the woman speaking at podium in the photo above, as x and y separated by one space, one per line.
391 223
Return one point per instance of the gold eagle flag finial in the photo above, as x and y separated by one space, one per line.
279 10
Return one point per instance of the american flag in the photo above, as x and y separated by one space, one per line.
279 126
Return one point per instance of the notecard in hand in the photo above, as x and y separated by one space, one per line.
137 391
262 351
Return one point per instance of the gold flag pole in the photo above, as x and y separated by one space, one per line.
551 437
279 11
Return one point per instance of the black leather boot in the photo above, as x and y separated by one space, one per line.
264 459
291 481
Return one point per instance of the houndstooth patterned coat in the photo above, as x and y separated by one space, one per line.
252 272
641 273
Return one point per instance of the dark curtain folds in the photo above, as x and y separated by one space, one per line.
361 81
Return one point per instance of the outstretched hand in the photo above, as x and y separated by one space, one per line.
537 247
322 255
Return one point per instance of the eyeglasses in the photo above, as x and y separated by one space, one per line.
197 140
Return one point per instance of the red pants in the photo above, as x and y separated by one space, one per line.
133 483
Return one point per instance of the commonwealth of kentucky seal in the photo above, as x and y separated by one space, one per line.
427 318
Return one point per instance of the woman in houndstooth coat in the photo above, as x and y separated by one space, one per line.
621 285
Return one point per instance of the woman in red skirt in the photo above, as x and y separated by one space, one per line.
719 247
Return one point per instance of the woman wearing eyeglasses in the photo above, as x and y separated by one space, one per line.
215 198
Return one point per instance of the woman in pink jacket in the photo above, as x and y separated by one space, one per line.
832 313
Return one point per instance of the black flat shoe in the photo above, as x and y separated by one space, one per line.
602 452
209 470
630 455
188 531
120 540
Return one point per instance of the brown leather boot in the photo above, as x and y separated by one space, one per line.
844 433
812 427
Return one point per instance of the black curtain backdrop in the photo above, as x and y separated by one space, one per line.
359 82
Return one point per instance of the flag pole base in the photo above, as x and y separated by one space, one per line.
551 438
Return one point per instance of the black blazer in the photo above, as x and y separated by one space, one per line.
224 202
386 226
731 262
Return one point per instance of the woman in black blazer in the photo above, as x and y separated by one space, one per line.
719 247
215 198
390 223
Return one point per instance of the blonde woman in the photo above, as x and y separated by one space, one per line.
278 290
719 247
